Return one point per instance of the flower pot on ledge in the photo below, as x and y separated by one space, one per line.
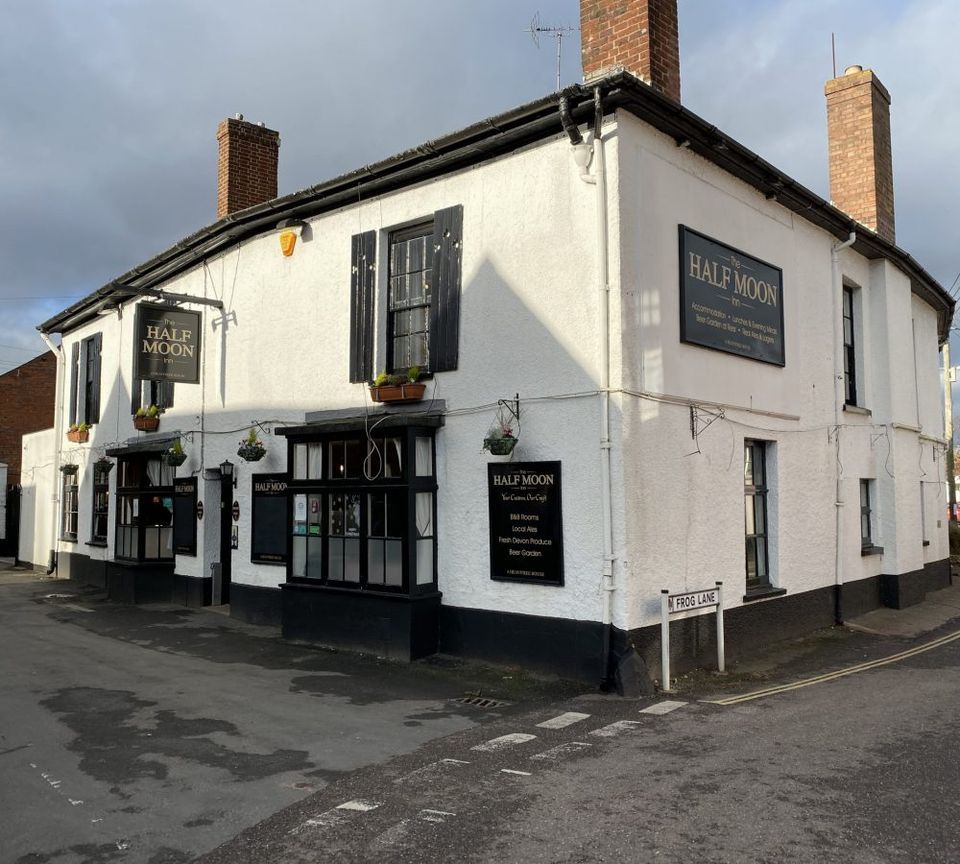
146 424
397 392
78 437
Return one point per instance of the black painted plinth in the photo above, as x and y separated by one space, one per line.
255 604
388 625
907 589
560 646
123 582
192 590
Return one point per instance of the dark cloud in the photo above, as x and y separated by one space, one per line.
108 152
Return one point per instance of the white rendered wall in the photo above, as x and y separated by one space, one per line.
36 497
684 497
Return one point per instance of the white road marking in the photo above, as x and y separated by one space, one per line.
435 816
662 707
617 728
561 750
359 805
563 720
504 741
455 761
424 772
512 771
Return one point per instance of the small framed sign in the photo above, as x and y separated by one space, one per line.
730 301
526 523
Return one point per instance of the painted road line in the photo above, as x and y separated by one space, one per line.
840 673
340 813
514 771
437 817
617 728
431 770
662 707
562 750
563 720
360 805
504 741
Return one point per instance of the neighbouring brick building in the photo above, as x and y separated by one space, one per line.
27 398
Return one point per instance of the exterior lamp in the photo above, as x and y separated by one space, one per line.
226 469
290 231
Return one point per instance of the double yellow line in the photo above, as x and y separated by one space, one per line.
840 673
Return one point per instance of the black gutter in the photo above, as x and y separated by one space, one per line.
494 137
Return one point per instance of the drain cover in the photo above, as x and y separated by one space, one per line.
482 702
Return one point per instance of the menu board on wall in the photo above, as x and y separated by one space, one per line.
270 518
184 516
526 525
730 301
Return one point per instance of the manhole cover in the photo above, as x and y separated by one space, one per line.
482 702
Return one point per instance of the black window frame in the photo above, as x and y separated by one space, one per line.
422 231
323 488
100 505
161 395
866 514
69 506
756 493
145 497
850 395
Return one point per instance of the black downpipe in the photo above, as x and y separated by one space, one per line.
52 563
566 118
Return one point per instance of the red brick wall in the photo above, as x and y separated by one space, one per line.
27 397
642 36
861 159
247 165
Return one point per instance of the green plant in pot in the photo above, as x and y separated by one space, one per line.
78 433
175 456
147 419
398 386
251 448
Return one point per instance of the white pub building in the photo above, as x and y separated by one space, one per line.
627 354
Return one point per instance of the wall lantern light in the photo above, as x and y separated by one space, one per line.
226 469
290 231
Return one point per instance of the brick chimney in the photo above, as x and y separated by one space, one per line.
247 164
639 36
861 161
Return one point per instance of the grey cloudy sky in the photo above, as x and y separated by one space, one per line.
108 108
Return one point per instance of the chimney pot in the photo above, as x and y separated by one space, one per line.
852 70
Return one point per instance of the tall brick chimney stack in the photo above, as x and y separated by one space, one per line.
639 36
247 164
861 161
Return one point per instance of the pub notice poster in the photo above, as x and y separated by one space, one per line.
526 526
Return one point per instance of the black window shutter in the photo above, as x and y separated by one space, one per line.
165 394
445 314
93 409
74 363
82 389
136 398
363 250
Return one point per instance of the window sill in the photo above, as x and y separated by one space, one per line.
102 544
856 409
763 593
68 539
871 550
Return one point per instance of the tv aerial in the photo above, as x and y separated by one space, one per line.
556 33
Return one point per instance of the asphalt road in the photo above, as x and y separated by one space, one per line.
153 734
861 769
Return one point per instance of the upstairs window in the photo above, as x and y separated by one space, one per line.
849 349
421 293
85 380
147 393
867 497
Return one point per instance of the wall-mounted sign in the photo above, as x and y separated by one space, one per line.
235 511
270 519
526 525
168 344
199 510
185 505
730 301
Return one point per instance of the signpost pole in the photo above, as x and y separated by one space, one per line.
665 639
720 647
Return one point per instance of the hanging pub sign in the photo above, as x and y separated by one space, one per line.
526 527
729 300
168 344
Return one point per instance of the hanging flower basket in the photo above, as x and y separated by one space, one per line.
500 446
103 465
70 468
251 448
174 459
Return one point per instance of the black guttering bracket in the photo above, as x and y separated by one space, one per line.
496 136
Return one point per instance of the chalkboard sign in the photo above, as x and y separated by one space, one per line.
526 526
185 516
729 300
270 518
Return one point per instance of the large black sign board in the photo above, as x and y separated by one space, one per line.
184 520
270 518
729 300
526 526
168 344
